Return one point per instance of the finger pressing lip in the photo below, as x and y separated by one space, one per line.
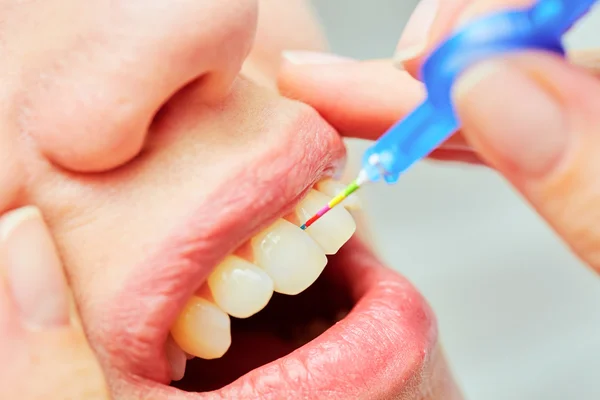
360 99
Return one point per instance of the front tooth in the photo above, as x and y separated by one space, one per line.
332 188
202 329
291 258
240 288
333 229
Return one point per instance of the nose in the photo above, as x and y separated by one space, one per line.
89 95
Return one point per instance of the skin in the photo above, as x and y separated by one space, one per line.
101 127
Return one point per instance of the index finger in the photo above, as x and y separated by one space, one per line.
359 99
362 99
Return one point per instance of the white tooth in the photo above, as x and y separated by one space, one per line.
333 229
202 329
240 288
332 188
291 258
176 358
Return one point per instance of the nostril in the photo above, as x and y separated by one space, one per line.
89 100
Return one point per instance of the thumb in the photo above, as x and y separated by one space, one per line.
39 329
536 119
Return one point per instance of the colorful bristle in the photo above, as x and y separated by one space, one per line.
351 188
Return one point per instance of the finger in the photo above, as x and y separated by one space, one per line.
359 99
546 142
33 270
43 342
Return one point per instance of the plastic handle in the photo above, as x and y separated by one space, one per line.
429 125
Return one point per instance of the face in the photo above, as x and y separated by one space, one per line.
174 178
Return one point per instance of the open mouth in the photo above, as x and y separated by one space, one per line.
241 303
293 311
281 259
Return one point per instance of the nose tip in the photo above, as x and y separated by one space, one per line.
91 113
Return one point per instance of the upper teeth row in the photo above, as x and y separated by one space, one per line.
285 259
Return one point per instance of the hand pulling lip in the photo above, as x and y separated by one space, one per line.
143 309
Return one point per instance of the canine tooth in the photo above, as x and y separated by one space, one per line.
239 287
202 329
332 188
176 358
291 258
331 231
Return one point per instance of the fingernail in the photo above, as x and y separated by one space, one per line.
415 36
311 57
34 270
512 115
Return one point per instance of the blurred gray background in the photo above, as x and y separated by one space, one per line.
519 315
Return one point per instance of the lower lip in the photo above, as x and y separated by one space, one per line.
381 348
